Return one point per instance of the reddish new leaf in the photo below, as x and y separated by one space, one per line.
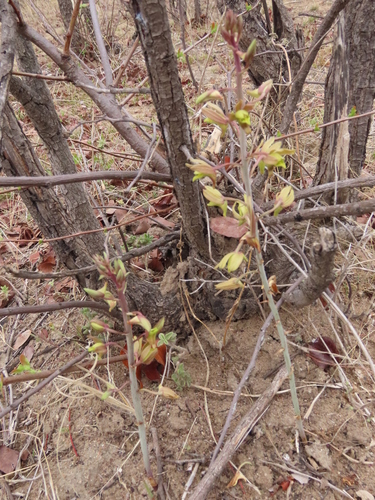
322 352
226 226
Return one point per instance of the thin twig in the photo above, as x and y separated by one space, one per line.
241 431
100 42
124 65
27 376
41 77
57 306
72 24
136 252
45 382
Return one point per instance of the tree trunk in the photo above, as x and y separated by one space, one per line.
154 33
197 12
267 66
350 84
37 101
334 148
42 203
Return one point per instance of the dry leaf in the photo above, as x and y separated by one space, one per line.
301 478
21 339
226 226
163 222
34 257
143 227
28 352
8 459
322 352
48 262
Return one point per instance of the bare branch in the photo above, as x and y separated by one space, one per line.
57 180
58 306
301 76
99 40
106 103
27 376
136 252
358 208
240 433
72 23
45 382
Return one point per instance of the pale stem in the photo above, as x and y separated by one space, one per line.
134 384
260 264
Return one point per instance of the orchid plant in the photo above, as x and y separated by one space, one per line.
269 154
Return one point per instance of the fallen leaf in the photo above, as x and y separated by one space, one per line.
25 455
65 284
21 339
34 257
322 352
301 478
120 214
48 262
28 352
226 226
8 459
155 265
143 227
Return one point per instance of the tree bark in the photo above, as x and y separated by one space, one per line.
350 83
321 273
105 102
267 66
34 95
42 203
334 147
152 24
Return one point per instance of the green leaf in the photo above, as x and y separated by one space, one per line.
214 28
353 111
248 7
105 395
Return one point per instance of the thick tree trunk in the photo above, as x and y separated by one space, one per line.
350 83
154 33
334 148
34 95
42 203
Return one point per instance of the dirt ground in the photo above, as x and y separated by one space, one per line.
81 447
340 424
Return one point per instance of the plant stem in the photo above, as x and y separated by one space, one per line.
134 386
260 263
284 343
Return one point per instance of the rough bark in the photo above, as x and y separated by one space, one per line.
8 33
334 148
105 102
272 64
350 83
360 33
197 12
320 275
34 95
152 24
42 203
299 80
